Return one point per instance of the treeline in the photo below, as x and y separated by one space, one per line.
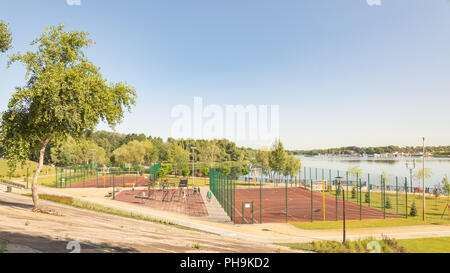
110 148
136 150
443 150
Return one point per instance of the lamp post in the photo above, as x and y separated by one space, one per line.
423 177
339 179
193 148
411 168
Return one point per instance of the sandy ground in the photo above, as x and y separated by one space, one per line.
21 230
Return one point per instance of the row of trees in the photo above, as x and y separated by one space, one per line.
277 163
374 150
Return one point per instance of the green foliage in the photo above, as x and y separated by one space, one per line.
292 166
226 171
277 157
65 95
178 157
355 171
413 210
205 171
245 170
185 172
388 203
72 152
445 185
443 151
162 172
135 152
367 197
5 37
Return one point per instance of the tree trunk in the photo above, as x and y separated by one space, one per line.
34 190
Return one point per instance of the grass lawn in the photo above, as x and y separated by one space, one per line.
21 171
400 204
426 245
365 224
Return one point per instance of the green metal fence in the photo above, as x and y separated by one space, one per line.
223 189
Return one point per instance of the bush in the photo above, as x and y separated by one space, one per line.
353 193
205 171
413 211
388 203
185 172
367 197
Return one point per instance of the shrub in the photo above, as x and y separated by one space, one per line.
353 193
388 203
185 172
367 198
205 171
413 211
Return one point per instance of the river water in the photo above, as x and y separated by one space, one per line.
375 166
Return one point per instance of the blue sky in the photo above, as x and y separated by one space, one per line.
342 72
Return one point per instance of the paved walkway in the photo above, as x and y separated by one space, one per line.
268 233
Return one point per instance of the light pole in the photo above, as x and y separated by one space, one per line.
423 177
343 208
193 148
411 168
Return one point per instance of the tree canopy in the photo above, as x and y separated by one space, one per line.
64 95
5 37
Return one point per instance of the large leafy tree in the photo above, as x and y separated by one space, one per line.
277 158
178 157
5 37
135 152
65 95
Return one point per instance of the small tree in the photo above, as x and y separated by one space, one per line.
185 172
388 203
413 211
226 171
367 197
205 171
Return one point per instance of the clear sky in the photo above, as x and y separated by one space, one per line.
342 72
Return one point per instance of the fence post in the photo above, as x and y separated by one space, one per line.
360 199
368 187
396 193
406 197
336 195
260 202
286 202
384 198
312 209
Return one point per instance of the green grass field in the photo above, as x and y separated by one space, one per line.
21 171
387 245
426 245
400 204
363 224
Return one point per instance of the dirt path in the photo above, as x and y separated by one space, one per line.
24 231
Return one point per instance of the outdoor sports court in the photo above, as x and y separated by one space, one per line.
270 206
168 200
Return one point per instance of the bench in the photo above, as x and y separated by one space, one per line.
130 185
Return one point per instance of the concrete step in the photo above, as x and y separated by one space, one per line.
215 211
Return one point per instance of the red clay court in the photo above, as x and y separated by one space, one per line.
192 205
273 207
